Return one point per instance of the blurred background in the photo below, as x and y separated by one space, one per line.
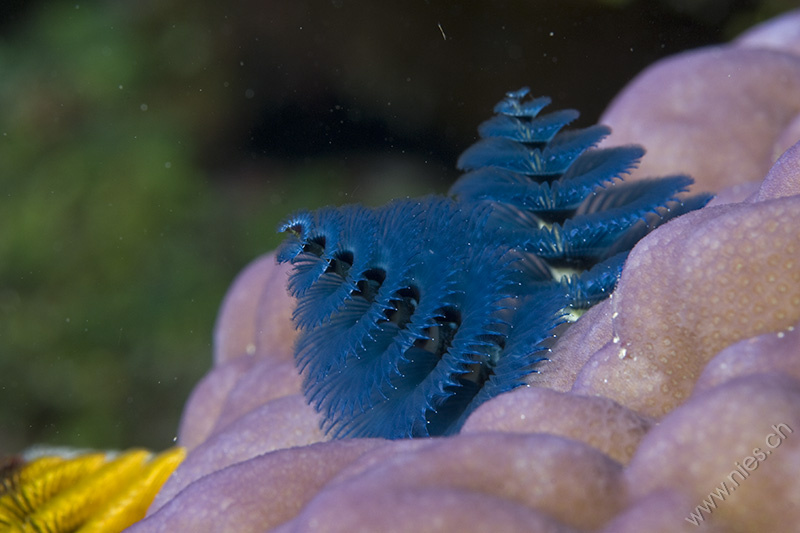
149 149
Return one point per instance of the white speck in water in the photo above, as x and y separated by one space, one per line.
780 334
143 107
251 349
168 165
615 340
623 352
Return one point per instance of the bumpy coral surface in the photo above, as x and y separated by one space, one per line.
673 406
720 114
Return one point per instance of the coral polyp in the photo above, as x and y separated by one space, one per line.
413 314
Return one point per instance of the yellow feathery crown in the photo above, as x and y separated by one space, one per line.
88 492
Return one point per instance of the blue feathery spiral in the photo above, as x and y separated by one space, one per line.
412 314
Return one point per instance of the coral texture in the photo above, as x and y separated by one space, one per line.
673 406
716 97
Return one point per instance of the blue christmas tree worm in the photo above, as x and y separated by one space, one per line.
413 314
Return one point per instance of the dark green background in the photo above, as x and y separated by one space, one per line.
149 149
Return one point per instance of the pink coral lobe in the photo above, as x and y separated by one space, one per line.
712 97
737 270
750 426
255 317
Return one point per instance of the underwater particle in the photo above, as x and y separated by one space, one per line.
413 314
439 24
